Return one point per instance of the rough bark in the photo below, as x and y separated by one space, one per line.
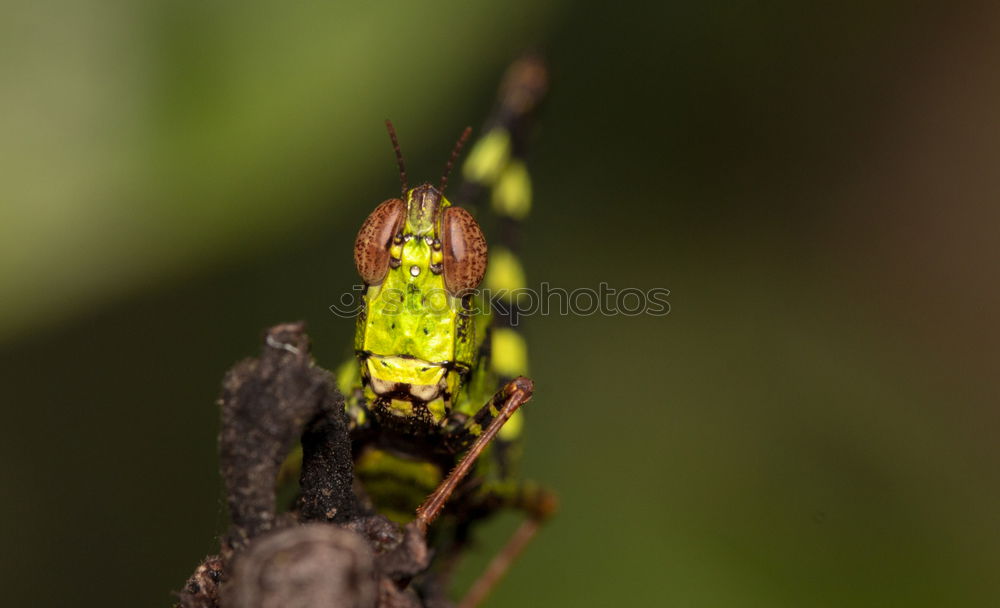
329 550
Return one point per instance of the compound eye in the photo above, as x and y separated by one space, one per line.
371 248
464 249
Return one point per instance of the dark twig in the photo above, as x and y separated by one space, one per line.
309 565
266 403
328 551
326 482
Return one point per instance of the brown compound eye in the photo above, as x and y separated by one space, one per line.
464 249
371 248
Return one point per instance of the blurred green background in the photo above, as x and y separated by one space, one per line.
815 423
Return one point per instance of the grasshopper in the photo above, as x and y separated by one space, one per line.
435 388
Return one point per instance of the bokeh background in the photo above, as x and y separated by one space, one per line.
814 424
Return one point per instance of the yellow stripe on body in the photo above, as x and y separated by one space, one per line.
512 191
488 157
504 274
509 359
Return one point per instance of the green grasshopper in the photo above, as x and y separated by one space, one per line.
434 390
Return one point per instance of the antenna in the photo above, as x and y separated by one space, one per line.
454 155
399 154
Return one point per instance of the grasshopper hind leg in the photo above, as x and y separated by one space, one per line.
480 430
539 505
534 501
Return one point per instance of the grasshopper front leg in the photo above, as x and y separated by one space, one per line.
484 426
